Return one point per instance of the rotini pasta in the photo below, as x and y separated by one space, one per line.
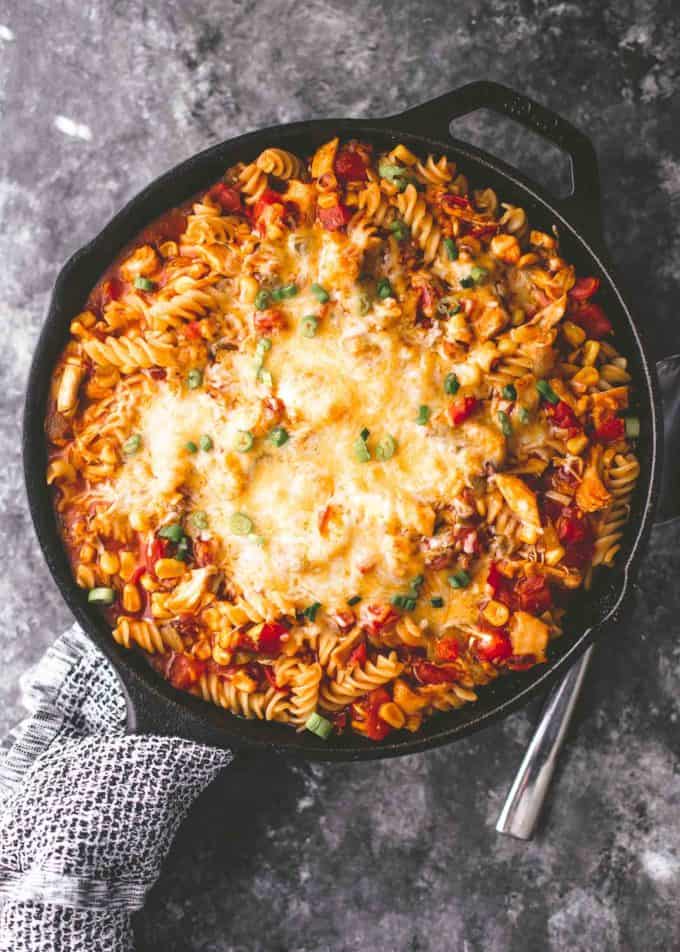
332 445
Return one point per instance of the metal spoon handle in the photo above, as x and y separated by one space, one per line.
527 795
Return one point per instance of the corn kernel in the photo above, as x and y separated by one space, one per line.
109 563
87 553
202 650
128 564
85 576
575 335
496 613
585 378
220 656
169 568
403 155
139 521
413 722
591 350
148 583
577 444
132 600
243 682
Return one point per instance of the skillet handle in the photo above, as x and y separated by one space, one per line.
434 118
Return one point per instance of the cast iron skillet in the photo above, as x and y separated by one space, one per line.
156 707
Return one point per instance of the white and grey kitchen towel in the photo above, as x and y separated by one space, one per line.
88 812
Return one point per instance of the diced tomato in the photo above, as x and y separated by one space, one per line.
379 617
461 409
576 535
270 320
227 197
335 217
358 656
350 166
584 288
458 201
563 417
270 638
501 586
533 594
521 662
428 673
158 373
193 329
610 430
447 649
592 319
270 676
493 645
112 290
376 727
268 197
185 671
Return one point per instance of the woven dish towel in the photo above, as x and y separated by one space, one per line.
88 811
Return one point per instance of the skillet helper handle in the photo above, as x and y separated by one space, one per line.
434 119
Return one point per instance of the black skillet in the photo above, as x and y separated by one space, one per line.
155 707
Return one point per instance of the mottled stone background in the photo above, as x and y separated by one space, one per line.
98 98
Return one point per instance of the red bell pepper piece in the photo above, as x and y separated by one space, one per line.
584 288
335 217
448 198
270 320
592 319
227 197
350 166
379 617
428 673
610 430
493 645
376 727
447 649
563 417
533 594
270 638
358 656
268 197
461 409
193 329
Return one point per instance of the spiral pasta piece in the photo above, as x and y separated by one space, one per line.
414 211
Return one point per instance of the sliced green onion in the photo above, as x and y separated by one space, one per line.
467 282
386 448
240 523
459 579
182 552
478 274
506 425
361 451
354 600
437 602
278 436
523 415
263 345
143 284
451 248
418 581
320 293
399 229
311 610
244 441
101 596
199 519
365 434
262 300
632 424
509 392
132 445
174 532
423 415
194 379
265 377
310 326
547 391
191 447
396 174
384 289
205 443
285 291
451 384
319 725
405 602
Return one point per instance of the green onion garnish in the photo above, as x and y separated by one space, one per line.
365 434
132 445
361 451
285 291
523 415
199 519
459 579
240 523
478 274
509 392
451 248
437 602
504 421
399 229
244 441
405 602
143 284
101 596
319 725
547 391
262 300
451 384
278 436
395 174
265 377
191 447
384 289
386 448
205 443
194 379
632 424
175 533
423 415
467 282
354 600
311 610
263 345
310 326
320 293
